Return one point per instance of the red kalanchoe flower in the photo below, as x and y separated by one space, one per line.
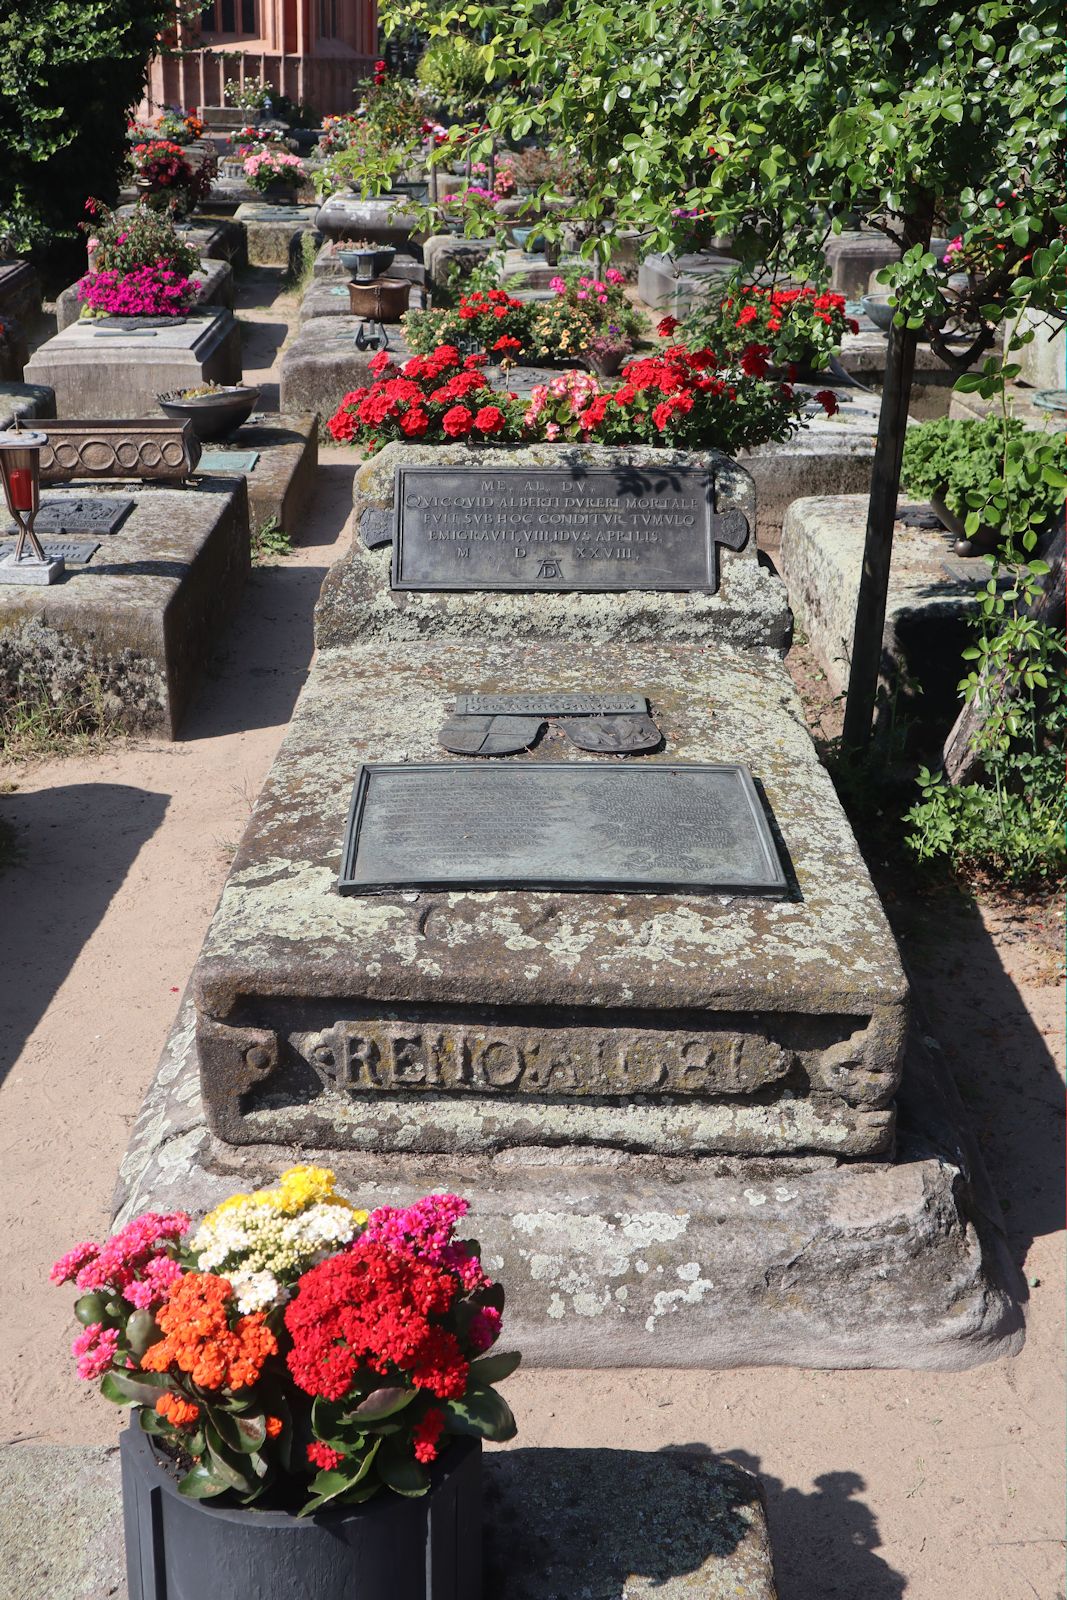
321 1455
666 327
426 1433
828 400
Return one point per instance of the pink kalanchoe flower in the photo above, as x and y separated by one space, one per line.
613 275
484 1329
557 285
95 1350
68 1266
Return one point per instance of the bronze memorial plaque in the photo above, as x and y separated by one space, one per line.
529 528
573 826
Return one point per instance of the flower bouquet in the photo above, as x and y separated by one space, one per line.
802 328
294 1350
162 171
269 169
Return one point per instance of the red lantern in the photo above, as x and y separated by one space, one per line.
20 470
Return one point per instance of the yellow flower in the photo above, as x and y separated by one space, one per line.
297 1189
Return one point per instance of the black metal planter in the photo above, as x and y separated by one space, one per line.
391 1548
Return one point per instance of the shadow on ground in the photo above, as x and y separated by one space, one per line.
262 662
598 1524
825 1542
76 843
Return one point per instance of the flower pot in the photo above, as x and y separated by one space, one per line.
383 299
981 543
609 366
367 264
212 416
391 1548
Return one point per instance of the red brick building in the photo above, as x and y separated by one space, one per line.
310 50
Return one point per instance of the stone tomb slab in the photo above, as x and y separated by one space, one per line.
322 364
25 400
214 280
929 604
281 480
101 371
552 825
600 529
152 605
613 1259
274 233
677 284
357 602
479 1020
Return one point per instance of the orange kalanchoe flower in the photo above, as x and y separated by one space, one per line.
176 1410
199 1339
274 1427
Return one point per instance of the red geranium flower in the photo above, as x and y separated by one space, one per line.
457 422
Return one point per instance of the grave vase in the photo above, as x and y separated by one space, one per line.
390 1548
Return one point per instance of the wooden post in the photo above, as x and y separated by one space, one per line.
866 659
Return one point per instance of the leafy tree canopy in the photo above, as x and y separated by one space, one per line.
70 72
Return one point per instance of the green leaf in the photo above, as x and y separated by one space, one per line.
246 1433
494 1368
482 1413
399 1470
381 1403
124 1390
141 1331
202 1483
89 1308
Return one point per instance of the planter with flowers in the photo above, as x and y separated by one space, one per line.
163 175
683 398
802 328
138 266
310 1385
274 173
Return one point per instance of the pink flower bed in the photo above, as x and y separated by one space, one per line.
149 291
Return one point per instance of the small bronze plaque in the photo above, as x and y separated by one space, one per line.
573 826
71 514
528 528
548 703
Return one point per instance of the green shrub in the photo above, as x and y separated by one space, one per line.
994 474
452 71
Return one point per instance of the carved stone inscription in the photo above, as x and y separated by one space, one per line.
389 1057
521 528
570 825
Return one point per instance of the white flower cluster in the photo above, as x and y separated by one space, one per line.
261 1250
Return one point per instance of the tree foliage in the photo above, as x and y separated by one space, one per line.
70 73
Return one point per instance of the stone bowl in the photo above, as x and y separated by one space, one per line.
879 310
380 258
383 300
213 416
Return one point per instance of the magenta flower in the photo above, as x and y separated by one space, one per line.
95 1350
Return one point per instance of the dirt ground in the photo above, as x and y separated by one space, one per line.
879 1484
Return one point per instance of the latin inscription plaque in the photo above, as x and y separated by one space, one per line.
571 826
524 528
71 514
550 704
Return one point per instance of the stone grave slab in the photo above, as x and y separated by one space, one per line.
113 371
863 357
388 219
614 1258
150 608
322 364
358 603
281 479
273 232
215 288
531 271
929 606
484 1020
675 284
25 400
448 257
328 264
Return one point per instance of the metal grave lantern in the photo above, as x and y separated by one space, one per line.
20 469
